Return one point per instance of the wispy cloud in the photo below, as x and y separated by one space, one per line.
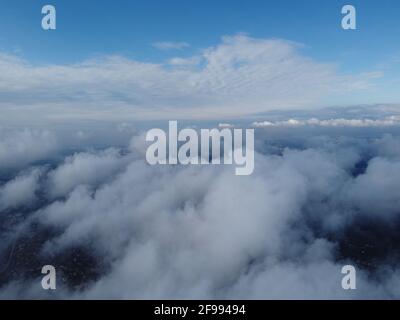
170 45
192 61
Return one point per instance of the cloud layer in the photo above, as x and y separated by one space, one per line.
116 227
341 122
239 76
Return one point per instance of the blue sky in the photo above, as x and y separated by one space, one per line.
88 29
127 27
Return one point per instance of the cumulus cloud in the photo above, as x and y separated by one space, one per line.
368 190
20 191
21 147
202 232
239 76
84 169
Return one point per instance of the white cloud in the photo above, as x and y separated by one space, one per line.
225 125
170 45
84 169
21 147
341 122
372 192
20 191
185 62
202 232
240 76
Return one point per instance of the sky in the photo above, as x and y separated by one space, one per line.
126 27
75 105
156 32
